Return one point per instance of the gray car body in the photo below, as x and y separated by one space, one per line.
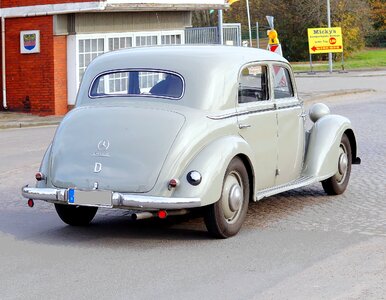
153 140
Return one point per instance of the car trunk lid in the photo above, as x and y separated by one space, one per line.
113 148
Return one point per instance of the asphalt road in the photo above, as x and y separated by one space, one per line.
298 245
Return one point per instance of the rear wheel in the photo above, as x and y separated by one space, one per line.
224 218
337 184
76 215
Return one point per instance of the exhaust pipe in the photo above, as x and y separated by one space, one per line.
142 215
162 214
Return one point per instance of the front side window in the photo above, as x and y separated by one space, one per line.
147 83
282 83
253 85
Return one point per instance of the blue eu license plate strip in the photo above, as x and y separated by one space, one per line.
71 196
90 198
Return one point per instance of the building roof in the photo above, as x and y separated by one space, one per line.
111 6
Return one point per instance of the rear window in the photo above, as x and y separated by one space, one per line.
146 83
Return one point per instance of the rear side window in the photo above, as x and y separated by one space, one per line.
253 85
282 83
138 83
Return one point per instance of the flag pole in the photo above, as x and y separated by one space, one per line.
249 25
220 28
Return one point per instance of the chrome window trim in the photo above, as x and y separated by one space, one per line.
137 95
253 111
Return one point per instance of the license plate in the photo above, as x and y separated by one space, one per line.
91 198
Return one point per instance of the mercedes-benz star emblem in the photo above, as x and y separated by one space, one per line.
103 145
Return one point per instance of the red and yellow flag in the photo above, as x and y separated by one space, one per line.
230 2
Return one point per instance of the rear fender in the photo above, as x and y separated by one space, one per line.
321 160
212 163
44 168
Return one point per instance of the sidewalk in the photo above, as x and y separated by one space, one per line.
19 120
350 73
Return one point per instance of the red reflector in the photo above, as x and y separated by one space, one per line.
173 182
162 214
39 176
30 203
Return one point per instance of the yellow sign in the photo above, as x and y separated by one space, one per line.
325 40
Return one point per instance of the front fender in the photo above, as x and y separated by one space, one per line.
212 163
321 160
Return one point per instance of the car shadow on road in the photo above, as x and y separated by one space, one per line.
45 227
114 227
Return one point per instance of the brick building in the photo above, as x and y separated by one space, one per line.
47 44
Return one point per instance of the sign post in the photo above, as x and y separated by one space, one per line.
325 40
329 26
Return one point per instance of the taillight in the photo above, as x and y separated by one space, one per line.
39 176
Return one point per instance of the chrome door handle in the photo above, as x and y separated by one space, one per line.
242 126
303 115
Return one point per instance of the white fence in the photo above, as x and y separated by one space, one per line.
209 35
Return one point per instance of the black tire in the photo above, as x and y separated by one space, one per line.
221 219
337 184
76 215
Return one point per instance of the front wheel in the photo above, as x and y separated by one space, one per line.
224 218
76 215
337 184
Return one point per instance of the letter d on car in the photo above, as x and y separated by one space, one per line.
97 167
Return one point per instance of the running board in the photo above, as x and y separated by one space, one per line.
302 181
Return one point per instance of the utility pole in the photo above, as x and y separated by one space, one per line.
329 26
257 35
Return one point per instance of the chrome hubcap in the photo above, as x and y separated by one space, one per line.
235 197
232 197
342 164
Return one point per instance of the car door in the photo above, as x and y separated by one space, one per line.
290 116
257 121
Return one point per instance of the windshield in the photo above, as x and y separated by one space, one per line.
147 83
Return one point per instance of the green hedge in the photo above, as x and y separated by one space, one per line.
377 39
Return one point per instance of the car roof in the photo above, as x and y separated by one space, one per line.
210 72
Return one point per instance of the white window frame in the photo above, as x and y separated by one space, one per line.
73 80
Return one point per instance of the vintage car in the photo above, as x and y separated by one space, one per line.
164 130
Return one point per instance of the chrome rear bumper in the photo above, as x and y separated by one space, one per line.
118 200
